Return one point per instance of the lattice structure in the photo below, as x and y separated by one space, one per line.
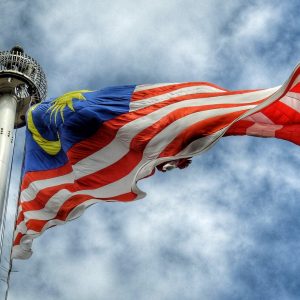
22 76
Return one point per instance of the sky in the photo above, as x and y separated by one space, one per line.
227 227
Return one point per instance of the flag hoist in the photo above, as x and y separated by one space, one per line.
22 84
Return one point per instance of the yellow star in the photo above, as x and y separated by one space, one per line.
66 100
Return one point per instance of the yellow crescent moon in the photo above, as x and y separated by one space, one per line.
50 147
58 105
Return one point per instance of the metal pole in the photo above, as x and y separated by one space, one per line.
8 105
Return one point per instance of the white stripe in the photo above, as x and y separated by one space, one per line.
262 126
21 227
166 136
292 100
23 251
202 144
296 81
259 117
263 130
236 98
34 187
134 105
144 87
20 253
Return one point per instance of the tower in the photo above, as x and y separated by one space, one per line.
22 84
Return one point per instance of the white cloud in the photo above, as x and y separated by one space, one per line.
200 232
258 23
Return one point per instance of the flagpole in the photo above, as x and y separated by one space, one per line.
21 164
22 83
15 215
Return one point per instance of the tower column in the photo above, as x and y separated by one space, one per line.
22 84
8 105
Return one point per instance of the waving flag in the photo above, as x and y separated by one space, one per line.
91 146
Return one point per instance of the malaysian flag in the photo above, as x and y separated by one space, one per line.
91 146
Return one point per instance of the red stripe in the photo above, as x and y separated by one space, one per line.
93 181
32 176
37 225
280 113
280 110
199 130
18 239
239 128
105 135
68 206
296 88
157 91
21 216
291 82
42 198
290 133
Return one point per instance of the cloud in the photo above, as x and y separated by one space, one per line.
225 228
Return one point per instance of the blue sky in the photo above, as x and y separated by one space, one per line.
225 228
